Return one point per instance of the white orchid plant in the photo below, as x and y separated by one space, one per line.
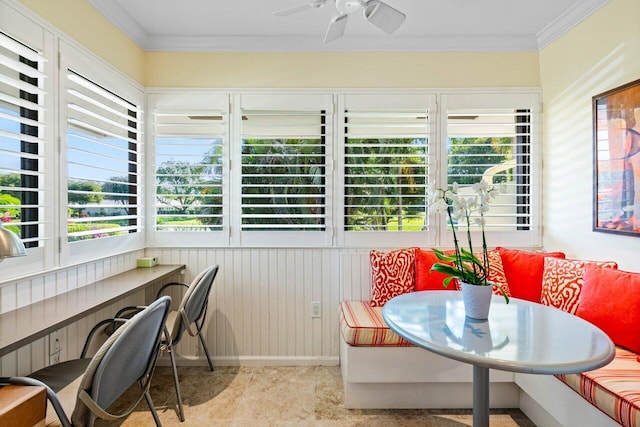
464 265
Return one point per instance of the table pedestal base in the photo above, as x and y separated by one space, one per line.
480 396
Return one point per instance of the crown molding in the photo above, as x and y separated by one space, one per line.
382 43
346 44
118 17
567 21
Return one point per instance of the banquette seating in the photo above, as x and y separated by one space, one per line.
381 370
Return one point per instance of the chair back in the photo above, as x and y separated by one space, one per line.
194 303
127 356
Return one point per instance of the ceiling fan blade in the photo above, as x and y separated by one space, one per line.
336 28
292 10
313 4
383 16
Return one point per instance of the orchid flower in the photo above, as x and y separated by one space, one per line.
464 265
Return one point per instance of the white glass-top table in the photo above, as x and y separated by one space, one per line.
520 337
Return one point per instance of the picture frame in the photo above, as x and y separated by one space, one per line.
616 151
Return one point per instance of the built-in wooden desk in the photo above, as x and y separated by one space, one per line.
26 324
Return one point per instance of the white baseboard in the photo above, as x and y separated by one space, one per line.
253 361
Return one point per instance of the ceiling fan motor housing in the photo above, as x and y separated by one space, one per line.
348 6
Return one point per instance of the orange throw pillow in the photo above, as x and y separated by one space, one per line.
427 280
610 299
392 274
524 270
562 281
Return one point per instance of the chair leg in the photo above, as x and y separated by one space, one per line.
175 380
152 408
206 350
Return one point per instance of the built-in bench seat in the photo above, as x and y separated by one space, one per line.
614 389
608 396
362 325
382 370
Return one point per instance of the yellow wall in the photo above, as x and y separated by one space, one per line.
279 70
348 70
601 53
91 29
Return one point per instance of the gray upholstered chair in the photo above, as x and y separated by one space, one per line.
189 316
91 385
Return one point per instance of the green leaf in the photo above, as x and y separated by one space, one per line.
444 257
447 269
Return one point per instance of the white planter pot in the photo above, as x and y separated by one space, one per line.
477 300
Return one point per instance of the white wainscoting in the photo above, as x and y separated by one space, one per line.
356 276
19 293
259 309
260 305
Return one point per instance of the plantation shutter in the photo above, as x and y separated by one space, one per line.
189 157
387 144
491 138
22 143
284 185
103 146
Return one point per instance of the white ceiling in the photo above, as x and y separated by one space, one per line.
431 25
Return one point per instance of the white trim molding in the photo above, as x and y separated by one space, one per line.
568 20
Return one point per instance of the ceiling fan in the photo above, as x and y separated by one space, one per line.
380 14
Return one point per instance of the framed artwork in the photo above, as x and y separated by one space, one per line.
616 136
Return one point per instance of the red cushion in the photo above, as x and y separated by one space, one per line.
562 281
392 274
610 299
427 280
524 271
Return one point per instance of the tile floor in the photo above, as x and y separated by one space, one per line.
283 396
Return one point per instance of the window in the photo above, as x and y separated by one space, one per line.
22 101
489 137
102 161
284 170
283 184
190 135
387 140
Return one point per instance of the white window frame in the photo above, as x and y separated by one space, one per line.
392 100
93 68
276 100
196 100
26 31
497 98
435 102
